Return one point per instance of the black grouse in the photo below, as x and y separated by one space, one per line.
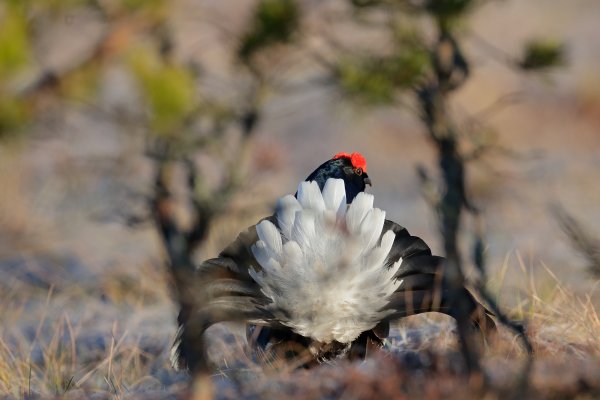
324 276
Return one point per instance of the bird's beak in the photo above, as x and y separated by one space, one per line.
368 181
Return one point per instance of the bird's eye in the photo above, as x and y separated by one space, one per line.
348 170
358 171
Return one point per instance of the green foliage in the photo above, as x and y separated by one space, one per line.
169 91
365 82
15 53
14 40
447 8
152 6
542 54
365 3
274 21
56 6
13 115
82 84
375 80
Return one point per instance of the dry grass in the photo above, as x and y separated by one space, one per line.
111 335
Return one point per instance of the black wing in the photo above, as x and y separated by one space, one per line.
220 290
423 287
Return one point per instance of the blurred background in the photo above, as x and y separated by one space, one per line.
126 125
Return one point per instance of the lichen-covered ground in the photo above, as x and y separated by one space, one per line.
109 336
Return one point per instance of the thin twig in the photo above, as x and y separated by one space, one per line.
586 244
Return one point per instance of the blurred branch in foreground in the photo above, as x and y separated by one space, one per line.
581 239
268 26
449 72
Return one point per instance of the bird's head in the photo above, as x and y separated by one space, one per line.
352 168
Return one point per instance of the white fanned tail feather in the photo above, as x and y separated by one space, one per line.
325 269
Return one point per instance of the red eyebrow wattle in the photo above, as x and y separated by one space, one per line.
357 159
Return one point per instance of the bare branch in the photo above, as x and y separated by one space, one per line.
502 102
495 52
113 42
586 244
428 187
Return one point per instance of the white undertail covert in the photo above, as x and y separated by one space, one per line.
325 268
